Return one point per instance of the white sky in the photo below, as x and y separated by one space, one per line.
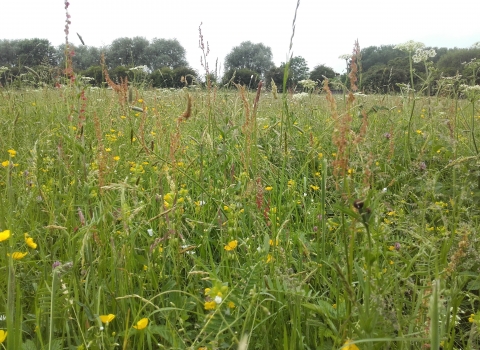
324 29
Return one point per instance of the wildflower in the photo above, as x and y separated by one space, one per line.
210 305
349 345
272 243
231 305
207 291
471 319
5 163
391 248
269 258
4 235
116 158
218 299
12 152
409 46
315 188
29 241
268 188
18 255
107 318
231 245
142 324
3 336
140 100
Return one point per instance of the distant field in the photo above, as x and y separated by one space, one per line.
129 220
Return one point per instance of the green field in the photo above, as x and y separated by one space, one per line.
306 221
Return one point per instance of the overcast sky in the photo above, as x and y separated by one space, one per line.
324 29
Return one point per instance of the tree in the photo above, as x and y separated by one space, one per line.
298 69
242 76
128 52
320 72
83 56
165 53
255 57
26 52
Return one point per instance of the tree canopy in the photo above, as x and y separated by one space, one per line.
255 57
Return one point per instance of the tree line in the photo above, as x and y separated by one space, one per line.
162 63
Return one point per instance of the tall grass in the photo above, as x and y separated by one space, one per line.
214 218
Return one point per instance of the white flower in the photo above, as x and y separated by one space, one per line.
409 46
150 232
308 84
423 55
300 96
218 299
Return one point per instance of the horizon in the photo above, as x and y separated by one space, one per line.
313 30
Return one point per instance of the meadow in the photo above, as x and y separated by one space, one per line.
215 218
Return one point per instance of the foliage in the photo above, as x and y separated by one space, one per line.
227 225
243 76
26 52
165 53
128 52
255 57
298 70
320 72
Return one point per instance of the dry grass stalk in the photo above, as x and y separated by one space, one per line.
121 89
188 112
340 132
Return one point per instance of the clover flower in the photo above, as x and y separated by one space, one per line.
210 305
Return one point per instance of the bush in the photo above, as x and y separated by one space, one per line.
242 76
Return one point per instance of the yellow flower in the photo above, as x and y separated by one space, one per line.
315 188
207 291
268 188
142 324
471 319
12 152
116 158
231 305
272 243
140 100
29 241
4 235
269 258
210 305
349 346
5 163
18 255
3 335
391 248
107 318
231 245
